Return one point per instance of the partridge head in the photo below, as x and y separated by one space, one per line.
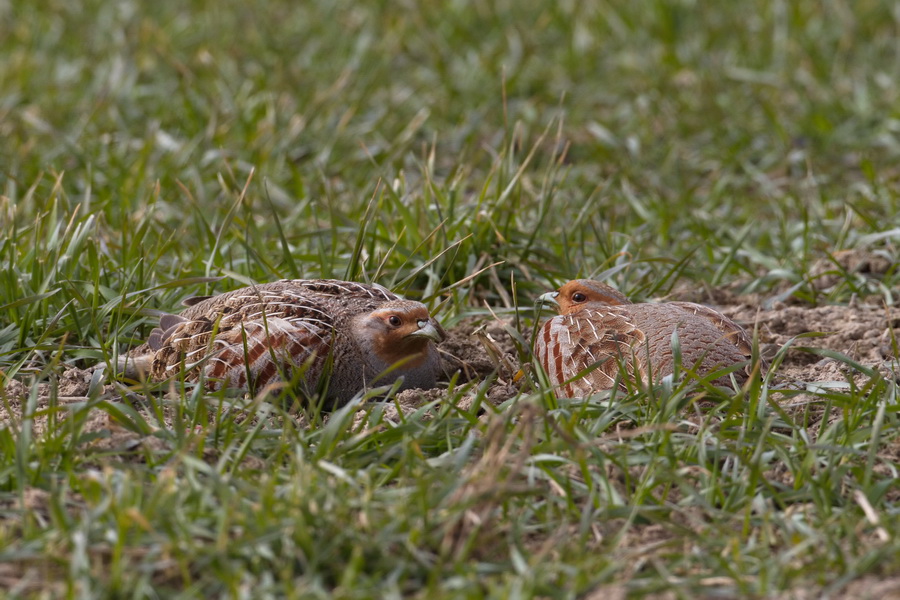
337 337
576 294
400 337
611 341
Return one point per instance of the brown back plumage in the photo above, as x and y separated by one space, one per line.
600 331
274 333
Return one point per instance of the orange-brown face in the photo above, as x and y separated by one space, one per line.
401 330
576 294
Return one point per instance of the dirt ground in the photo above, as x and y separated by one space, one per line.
483 349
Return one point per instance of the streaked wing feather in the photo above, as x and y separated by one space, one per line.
730 330
267 352
583 352
194 300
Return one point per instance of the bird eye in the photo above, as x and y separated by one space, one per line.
578 297
395 321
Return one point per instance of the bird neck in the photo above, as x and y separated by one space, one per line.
412 351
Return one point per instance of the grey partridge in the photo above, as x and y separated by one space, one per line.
359 335
624 342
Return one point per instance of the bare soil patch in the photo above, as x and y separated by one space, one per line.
481 350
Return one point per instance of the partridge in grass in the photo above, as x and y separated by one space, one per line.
358 335
598 327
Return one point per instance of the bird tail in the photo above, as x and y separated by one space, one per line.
133 367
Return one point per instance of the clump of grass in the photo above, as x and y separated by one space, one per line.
472 156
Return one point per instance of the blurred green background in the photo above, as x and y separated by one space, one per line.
752 137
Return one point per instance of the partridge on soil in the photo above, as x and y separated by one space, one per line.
315 333
599 327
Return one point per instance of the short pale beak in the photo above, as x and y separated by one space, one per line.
549 298
427 329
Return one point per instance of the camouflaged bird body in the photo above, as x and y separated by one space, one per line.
286 331
633 343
